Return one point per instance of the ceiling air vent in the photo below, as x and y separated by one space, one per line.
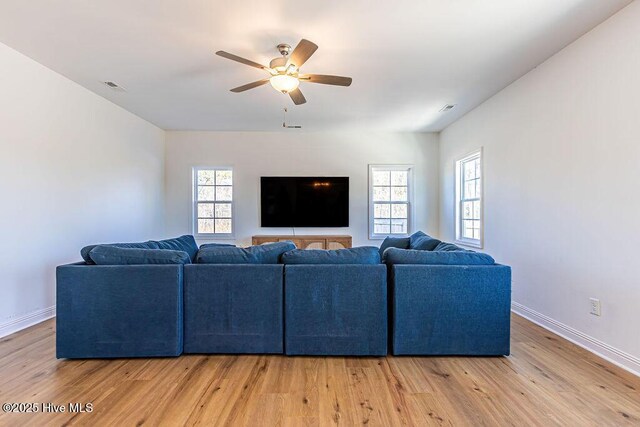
114 86
447 108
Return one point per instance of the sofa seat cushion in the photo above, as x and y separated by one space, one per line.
448 247
423 242
225 255
410 256
186 243
84 252
112 255
270 253
394 242
360 255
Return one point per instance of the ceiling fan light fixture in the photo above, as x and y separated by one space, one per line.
284 83
284 71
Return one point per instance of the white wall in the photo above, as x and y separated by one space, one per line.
562 177
256 154
74 169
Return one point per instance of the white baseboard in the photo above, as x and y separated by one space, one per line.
18 323
618 357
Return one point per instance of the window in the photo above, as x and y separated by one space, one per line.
390 196
469 199
213 202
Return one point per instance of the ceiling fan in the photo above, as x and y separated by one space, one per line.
285 71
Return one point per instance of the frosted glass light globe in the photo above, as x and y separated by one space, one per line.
284 83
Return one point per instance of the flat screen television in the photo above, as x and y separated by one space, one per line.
304 201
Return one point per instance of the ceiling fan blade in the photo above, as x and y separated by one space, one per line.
326 80
301 53
240 60
297 97
249 86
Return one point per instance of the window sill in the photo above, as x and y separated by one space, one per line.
384 236
470 243
215 236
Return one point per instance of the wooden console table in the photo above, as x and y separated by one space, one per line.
307 242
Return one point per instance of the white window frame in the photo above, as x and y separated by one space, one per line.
194 204
409 202
460 181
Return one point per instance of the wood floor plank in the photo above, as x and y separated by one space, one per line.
547 381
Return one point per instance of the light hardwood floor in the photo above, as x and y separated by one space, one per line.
547 381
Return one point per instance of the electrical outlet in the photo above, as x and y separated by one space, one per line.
595 306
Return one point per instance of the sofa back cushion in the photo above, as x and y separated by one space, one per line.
84 252
409 256
360 255
270 253
225 255
113 255
394 242
423 242
185 243
216 245
448 247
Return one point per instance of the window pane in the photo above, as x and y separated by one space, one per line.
399 177
381 194
467 210
381 210
399 211
223 177
223 210
381 226
399 194
390 186
469 207
206 177
205 210
476 210
476 233
205 226
223 193
467 231
470 190
206 193
223 226
381 178
469 170
399 226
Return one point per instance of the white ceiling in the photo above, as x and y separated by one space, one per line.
408 58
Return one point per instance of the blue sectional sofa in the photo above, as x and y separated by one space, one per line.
124 300
335 302
450 309
446 300
107 311
233 308
336 310
413 296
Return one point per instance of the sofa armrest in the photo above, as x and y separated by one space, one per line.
108 311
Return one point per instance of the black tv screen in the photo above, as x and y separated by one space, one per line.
304 201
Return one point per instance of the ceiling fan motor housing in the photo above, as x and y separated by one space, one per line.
284 49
